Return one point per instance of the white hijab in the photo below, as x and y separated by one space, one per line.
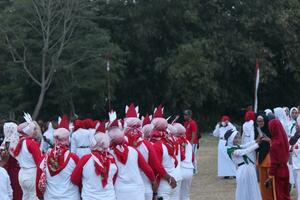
11 135
280 114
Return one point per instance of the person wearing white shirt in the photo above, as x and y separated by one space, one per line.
6 192
225 166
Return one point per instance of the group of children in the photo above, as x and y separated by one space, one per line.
136 159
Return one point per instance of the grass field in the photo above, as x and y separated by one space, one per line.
206 185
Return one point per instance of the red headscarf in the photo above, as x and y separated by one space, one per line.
279 150
250 115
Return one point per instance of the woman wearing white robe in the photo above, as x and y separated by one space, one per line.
225 166
246 180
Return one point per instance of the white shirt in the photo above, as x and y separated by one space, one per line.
81 141
129 176
187 162
60 187
237 155
25 158
92 184
6 192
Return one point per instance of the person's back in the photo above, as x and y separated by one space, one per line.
5 186
59 186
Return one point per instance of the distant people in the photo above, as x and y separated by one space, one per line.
246 179
48 138
192 135
263 155
293 121
226 168
279 152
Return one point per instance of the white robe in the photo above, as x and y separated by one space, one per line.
249 136
246 180
225 165
5 186
186 169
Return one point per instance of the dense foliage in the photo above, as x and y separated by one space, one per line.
197 54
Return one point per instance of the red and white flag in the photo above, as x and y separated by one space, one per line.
256 86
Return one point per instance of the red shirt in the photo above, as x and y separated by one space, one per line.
191 126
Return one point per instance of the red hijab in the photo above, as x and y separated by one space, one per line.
279 150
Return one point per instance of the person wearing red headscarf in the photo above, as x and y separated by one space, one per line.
248 132
225 166
279 153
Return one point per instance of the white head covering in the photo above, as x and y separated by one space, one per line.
100 142
160 124
171 130
280 114
298 120
231 138
293 109
11 134
180 129
146 130
268 111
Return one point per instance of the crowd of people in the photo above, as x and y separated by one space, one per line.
117 159
266 164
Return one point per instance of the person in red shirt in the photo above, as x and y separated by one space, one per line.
192 135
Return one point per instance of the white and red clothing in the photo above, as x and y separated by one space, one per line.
81 141
6 192
28 154
186 168
93 186
148 152
176 193
129 183
168 162
59 185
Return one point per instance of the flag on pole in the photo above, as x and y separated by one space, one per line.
256 86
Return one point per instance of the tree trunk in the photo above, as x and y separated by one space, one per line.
39 103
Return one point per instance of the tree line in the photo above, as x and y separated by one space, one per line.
197 54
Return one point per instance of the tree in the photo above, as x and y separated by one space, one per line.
39 34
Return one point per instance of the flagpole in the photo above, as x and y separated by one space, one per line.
257 76
108 58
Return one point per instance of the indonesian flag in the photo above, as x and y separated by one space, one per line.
256 86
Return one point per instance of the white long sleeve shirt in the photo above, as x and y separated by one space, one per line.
6 192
